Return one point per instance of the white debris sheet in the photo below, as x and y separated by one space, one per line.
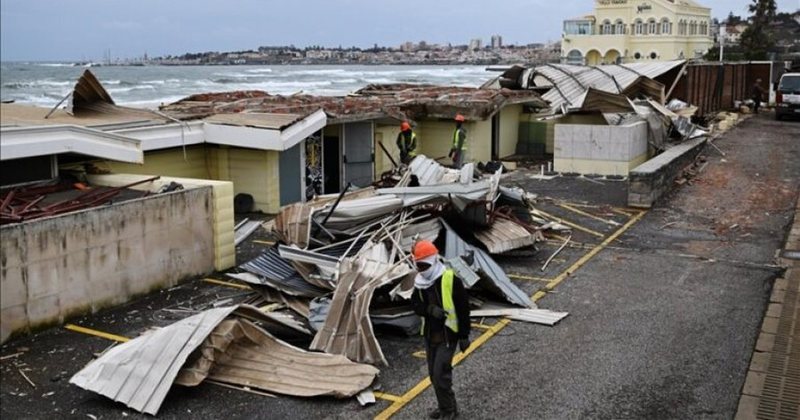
536 316
232 349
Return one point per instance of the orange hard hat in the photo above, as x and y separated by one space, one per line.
459 118
424 249
405 126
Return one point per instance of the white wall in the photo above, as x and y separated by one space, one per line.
599 149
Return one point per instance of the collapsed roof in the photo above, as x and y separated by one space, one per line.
397 101
564 85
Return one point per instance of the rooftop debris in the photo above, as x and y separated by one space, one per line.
398 101
52 198
222 344
341 268
350 253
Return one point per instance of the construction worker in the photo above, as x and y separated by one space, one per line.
442 302
407 143
459 148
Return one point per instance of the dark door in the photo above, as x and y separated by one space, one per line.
331 165
359 155
291 171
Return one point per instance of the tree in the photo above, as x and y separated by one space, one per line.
757 39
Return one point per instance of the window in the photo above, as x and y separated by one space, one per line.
639 27
652 28
693 28
653 55
666 27
577 27
682 28
620 27
637 55
606 28
575 57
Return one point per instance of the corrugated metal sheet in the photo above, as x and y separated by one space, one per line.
139 373
570 81
87 92
504 235
347 329
240 353
537 316
272 270
256 119
483 263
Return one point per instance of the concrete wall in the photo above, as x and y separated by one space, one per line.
600 149
62 266
222 208
436 138
651 180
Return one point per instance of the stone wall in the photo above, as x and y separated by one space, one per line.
63 266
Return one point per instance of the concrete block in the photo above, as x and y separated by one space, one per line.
765 342
14 290
12 247
44 310
774 310
754 383
43 278
759 362
770 325
748 408
13 319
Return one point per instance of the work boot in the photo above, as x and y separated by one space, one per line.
435 414
450 415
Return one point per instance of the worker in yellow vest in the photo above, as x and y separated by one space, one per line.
459 148
441 300
407 143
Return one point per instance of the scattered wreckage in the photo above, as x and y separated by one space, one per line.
341 269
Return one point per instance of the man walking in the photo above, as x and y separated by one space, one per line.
459 142
757 94
442 302
407 143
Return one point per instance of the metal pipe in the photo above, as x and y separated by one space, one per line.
380 143
335 204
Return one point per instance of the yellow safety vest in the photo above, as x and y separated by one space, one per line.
455 140
451 321
412 152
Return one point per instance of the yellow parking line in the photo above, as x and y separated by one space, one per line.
420 354
570 224
96 333
227 283
481 326
531 278
483 338
589 215
387 397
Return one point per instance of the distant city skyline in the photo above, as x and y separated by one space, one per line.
39 30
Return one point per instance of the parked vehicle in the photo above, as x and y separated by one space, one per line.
787 96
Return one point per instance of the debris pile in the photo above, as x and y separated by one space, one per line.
341 269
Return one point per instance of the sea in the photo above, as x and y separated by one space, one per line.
45 84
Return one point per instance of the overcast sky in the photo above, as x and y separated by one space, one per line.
84 29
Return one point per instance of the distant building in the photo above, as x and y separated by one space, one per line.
622 31
733 32
407 46
475 44
497 42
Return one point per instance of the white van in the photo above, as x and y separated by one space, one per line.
787 96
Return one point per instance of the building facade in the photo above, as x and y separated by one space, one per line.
624 31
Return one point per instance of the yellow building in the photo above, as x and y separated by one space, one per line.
624 31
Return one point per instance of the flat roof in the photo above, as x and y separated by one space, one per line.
19 115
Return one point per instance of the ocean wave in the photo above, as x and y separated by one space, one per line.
130 89
259 71
45 83
54 64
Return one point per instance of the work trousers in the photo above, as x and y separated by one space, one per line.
440 369
458 159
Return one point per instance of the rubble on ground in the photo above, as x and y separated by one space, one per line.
341 268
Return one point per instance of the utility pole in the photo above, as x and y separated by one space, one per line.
722 32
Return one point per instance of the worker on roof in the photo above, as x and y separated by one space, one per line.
459 149
407 143
441 300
